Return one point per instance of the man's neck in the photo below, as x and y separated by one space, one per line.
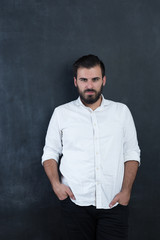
95 105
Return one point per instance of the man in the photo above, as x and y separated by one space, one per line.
100 157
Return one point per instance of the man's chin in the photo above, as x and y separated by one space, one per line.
89 100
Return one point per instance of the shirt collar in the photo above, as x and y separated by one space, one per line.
104 102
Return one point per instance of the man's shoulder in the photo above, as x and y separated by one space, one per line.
115 104
69 105
118 109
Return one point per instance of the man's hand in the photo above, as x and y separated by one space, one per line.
122 198
62 191
130 171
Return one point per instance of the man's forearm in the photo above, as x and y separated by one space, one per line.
51 169
130 171
61 190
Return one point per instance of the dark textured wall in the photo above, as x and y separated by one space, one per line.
39 40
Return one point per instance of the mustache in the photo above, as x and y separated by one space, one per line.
89 90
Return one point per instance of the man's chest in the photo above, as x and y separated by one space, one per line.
88 125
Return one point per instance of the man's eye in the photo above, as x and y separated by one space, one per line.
95 79
83 79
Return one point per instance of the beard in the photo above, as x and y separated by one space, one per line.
90 99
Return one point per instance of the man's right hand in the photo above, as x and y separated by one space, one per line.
62 191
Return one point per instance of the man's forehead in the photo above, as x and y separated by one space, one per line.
89 72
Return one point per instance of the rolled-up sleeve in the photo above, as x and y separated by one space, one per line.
53 141
131 147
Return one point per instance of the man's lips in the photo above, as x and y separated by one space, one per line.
91 92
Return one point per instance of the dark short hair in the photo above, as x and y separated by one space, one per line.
88 61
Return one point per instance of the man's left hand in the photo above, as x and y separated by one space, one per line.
122 198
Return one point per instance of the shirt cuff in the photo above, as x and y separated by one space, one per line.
132 156
49 156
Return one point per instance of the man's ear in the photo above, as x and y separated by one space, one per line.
104 80
75 82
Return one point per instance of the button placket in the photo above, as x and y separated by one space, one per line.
97 159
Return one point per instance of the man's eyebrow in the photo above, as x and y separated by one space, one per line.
83 78
96 78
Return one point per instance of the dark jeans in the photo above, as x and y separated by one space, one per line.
89 223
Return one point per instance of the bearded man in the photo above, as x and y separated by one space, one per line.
97 142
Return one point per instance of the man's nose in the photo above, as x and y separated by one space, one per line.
89 84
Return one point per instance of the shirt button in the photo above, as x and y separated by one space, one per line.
97 168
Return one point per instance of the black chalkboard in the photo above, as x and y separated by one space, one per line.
39 41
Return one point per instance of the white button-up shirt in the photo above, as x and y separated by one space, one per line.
94 146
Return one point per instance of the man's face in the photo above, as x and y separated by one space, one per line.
90 84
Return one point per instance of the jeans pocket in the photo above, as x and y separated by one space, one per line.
122 205
64 200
